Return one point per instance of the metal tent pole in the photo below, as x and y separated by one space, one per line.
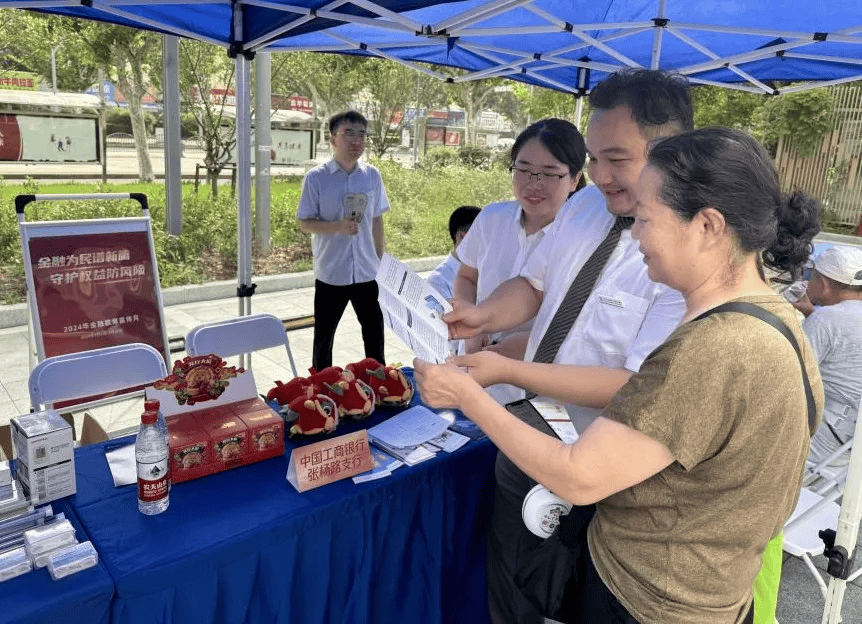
840 556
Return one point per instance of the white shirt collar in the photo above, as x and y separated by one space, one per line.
332 166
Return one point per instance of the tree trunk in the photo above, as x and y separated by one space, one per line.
133 86
322 111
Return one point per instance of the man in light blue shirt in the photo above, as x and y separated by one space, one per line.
342 206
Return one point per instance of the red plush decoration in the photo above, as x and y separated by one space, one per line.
284 393
354 398
389 384
329 375
316 414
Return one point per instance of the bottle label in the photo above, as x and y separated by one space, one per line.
153 480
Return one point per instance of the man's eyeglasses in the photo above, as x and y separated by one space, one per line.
350 135
525 175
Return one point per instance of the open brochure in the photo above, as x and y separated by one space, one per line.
413 310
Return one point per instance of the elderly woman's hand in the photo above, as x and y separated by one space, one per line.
441 385
486 367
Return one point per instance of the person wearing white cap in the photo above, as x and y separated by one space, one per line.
835 332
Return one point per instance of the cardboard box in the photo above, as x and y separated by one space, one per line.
247 405
191 452
44 455
228 435
91 432
265 433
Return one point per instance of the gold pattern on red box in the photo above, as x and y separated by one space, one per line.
198 378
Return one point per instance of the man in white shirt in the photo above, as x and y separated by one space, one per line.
442 278
835 332
342 206
625 316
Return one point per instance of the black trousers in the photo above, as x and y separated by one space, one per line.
589 600
329 305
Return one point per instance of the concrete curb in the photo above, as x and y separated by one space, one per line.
16 315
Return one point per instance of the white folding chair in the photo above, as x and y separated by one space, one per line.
95 372
829 473
813 513
243 334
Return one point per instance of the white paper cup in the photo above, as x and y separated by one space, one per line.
542 509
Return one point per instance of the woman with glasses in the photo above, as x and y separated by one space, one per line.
545 164
696 462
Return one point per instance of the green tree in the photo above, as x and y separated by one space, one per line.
31 39
717 106
204 67
132 59
389 88
536 103
331 81
804 117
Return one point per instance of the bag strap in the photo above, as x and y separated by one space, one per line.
768 317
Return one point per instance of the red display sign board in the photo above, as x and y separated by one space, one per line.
95 290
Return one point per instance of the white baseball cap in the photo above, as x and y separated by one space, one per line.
841 263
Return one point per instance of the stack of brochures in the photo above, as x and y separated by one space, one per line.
416 434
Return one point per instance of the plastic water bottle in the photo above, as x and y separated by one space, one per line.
151 457
794 292
153 405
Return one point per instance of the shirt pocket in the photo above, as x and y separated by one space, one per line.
614 325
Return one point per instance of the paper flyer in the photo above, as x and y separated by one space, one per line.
413 310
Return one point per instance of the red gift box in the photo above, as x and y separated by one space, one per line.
191 452
265 432
229 437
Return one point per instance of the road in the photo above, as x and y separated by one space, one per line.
123 165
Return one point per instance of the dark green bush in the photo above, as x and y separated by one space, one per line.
438 157
479 157
118 120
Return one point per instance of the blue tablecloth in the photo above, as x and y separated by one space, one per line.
244 546
83 598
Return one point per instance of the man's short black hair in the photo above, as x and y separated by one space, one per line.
660 101
350 116
462 217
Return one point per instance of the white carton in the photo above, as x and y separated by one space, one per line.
44 455
5 474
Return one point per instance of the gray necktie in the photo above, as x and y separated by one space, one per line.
582 285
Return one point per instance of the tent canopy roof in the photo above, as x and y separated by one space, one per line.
566 45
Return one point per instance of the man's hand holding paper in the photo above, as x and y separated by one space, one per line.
465 320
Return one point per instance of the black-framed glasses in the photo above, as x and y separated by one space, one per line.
350 135
525 175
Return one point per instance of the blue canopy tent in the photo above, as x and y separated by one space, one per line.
568 45
561 44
